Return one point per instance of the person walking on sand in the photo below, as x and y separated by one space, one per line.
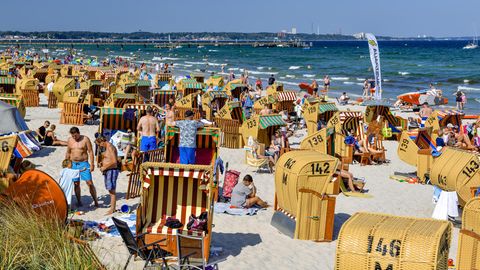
366 88
79 152
314 86
110 170
149 128
326 83
188 137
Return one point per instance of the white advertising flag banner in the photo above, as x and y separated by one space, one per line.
375 58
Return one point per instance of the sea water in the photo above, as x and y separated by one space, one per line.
406 65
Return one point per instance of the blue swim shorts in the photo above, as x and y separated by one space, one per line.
148 143
84 167
187 155
110 177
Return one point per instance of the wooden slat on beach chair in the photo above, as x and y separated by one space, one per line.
72 114
232 138
134 181
52 100
31 97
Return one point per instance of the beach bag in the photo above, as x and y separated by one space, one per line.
199 223
173 223
231 180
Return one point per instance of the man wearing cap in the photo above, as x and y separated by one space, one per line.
188 136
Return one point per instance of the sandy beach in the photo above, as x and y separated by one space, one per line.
250 241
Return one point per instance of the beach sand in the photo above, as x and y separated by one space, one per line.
250 242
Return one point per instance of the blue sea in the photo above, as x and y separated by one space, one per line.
406 65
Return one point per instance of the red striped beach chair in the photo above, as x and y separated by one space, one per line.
177 191
285 101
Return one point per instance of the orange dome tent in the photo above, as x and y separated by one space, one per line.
41 191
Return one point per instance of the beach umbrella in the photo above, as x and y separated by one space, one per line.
11 120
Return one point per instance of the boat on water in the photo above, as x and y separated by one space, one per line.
472 45
430 96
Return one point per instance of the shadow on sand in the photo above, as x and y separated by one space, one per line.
340 218
45 151
233 243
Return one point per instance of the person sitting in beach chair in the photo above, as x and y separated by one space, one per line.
265 111
462 140
344 98
244 194
354 186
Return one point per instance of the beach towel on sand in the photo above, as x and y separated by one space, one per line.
226 208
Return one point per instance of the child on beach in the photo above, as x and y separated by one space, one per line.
67 177
244 194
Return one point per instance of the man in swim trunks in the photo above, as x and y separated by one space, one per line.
326 83
79 150
110 170
149 128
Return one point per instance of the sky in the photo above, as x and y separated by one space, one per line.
401 18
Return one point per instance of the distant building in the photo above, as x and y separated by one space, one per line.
294 31
359 35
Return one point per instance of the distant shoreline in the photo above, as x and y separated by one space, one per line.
179 37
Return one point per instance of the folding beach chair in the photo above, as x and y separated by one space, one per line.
253 161
191 253
151 253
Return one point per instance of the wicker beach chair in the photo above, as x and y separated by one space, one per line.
177 191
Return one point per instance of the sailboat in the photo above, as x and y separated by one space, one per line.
472 45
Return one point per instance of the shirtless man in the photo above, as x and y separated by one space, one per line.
79 150
169 115
149 128
265 111
109 169
425 111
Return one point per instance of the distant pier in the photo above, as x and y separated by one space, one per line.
161 44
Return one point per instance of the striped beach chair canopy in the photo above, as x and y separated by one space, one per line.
272 120
118 100
327 107
450 116
114 119
190 84
143 83
142 109
373 111
350 120
161 97
218 94
178 191
7 80
286 96
95 83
